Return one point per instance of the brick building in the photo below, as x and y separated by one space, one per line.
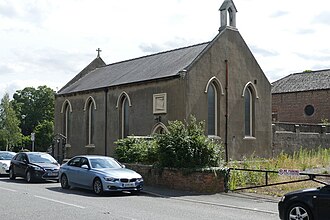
302 97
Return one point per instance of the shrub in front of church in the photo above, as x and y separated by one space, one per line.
186 146
136 150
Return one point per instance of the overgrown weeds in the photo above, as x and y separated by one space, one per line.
308 161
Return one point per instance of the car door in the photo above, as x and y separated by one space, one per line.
14 162
323 203
72 170
86 175
20 164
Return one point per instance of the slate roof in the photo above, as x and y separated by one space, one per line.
305 81
96 63
151 67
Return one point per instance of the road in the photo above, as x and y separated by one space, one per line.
20 200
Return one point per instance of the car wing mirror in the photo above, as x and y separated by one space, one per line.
85 166
123 166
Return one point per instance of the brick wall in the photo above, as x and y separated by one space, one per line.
205 181
289 107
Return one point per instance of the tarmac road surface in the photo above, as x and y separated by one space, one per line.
20 200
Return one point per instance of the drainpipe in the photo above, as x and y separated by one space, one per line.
106 122
226 115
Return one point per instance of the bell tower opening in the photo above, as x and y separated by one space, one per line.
227 14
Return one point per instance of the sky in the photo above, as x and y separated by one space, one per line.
47 42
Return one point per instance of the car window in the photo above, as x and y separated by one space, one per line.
84 161
104 163
75 162
326 189
24 157
6 155
41 158
20 157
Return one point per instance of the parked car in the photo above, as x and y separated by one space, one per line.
5 157
34 166
100 174
306 204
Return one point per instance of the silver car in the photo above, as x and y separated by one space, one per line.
5 157
100 174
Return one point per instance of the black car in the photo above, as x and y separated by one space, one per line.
306 204
34 166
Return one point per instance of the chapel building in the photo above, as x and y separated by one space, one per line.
219 82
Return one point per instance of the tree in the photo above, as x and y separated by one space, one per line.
10 134
44 135
35 110
33 106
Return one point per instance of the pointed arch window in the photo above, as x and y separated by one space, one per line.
249 114
90 122
123 104
124 117
159 128
66 111
212 106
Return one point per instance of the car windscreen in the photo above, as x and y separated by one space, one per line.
104 163
41 158
6 155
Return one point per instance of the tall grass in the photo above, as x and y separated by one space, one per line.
316 161
307 159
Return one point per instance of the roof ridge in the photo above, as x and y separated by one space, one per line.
154 54
298 73
303 81
311 71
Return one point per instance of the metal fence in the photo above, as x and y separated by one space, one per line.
306 177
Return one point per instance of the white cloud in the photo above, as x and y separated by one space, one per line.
49 42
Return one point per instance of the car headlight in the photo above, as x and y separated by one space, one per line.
4 166
139 179
111 179
37 168
283 198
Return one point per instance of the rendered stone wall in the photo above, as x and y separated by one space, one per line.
290 137
206 181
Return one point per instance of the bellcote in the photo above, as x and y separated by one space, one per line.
228 14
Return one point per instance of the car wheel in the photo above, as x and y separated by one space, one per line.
97 186
299 211
11 174
64 182
28 177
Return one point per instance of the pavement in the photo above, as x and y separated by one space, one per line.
236 200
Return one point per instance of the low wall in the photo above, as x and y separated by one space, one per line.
203 181
290 137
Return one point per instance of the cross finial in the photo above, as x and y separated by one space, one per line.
98 52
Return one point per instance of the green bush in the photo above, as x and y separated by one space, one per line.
186 146
136 150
